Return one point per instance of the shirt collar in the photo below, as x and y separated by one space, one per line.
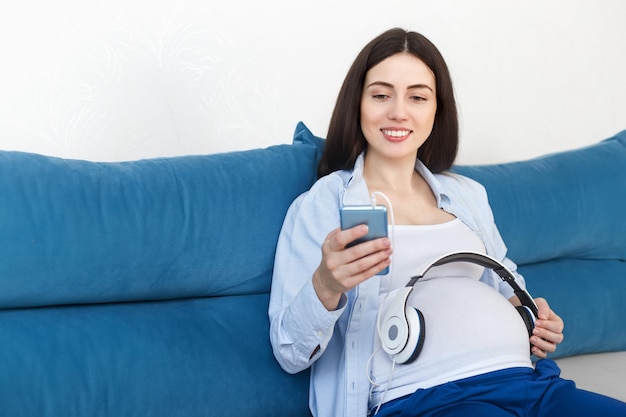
355 190
433 182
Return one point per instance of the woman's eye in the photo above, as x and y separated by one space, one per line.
418 98
379 96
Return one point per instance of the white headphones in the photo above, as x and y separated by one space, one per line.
402 329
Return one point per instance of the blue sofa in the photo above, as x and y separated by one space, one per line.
141 288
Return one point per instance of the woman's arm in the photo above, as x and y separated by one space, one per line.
313 271
299 323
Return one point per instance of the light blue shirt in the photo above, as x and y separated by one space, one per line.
344 339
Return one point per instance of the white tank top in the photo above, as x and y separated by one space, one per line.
470 328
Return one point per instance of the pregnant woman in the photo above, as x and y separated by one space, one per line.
394 134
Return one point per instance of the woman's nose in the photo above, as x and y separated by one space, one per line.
398 110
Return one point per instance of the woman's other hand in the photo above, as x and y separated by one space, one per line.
548 331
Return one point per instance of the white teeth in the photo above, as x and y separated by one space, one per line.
396 133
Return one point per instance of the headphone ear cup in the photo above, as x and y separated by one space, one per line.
417 333
528 317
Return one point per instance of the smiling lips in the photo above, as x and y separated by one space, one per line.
396 135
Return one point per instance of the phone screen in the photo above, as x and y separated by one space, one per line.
374 217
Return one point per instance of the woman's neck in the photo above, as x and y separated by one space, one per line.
392 175
412 198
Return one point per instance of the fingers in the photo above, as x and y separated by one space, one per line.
548 331
551 329
543 308
342 269
540 346
351 266
549 325
338 239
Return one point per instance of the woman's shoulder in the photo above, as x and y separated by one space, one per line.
324 194
460 183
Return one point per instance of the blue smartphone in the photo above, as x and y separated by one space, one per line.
374 217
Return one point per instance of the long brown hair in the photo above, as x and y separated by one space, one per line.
345 140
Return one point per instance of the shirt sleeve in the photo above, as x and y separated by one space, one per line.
300 326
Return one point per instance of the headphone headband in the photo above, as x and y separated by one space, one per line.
487 262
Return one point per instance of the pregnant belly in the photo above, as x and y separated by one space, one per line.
470 329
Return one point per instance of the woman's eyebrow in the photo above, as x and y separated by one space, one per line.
381 83
419 86
389 85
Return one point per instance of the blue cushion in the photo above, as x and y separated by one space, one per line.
303 135
194 357
87 232
589 296
568 204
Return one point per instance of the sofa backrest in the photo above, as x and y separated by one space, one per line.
563 205
76 232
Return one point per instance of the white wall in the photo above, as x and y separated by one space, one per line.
126 79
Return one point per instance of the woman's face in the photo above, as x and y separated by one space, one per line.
398 106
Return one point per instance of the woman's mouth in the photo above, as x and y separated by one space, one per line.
396 135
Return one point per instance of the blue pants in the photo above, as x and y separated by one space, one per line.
506 393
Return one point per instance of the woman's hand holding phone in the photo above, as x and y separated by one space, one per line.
344 264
